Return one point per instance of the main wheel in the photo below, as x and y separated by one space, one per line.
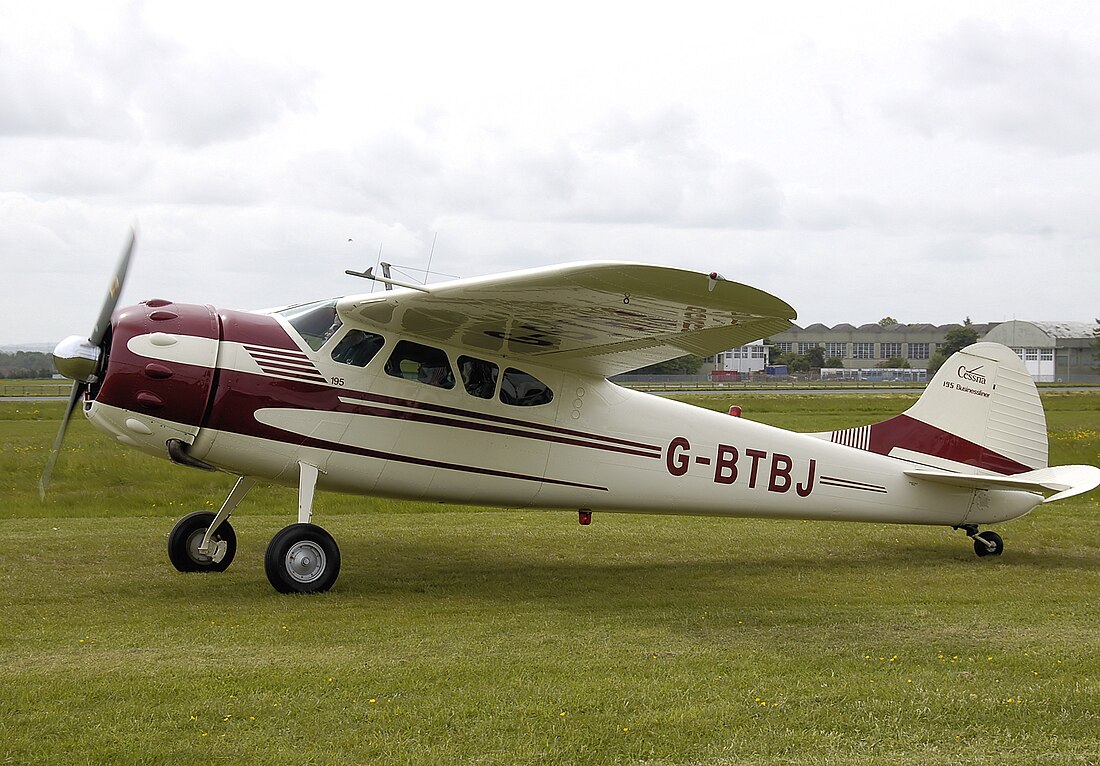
302 558
993 545
186 537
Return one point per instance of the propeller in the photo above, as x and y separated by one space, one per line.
78 358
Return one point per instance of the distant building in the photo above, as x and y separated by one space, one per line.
1052 351
752 357
869 344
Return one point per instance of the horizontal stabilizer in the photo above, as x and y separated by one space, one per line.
1063 480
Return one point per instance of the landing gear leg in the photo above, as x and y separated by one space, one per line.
205 542
985 543
303 558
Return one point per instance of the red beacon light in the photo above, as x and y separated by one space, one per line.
735 411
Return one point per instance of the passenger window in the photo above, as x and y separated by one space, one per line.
479 376
357 348
315 322
412 361
523 390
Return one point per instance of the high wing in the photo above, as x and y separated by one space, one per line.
596 317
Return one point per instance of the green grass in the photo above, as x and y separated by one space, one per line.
458 635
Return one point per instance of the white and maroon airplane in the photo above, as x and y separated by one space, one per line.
494 391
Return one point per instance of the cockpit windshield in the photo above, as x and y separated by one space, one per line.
315 322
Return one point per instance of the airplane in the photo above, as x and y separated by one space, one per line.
495 391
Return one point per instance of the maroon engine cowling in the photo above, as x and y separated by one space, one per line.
172 390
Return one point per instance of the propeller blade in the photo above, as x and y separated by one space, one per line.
104 320
47 472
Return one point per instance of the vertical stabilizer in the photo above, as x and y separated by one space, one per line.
980 413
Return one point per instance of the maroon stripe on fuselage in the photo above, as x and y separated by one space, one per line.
413 460
275 353
302 375
301 361
243 394
418 417
290 367
413 404
240 395
917 436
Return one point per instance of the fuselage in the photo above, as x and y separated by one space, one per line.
258 394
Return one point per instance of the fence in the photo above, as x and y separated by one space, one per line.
15 388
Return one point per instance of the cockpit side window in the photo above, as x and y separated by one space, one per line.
523 389
357 348
413 361
315 322
478 376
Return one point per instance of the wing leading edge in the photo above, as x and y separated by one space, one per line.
600 317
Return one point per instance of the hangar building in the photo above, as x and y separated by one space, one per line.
1052 351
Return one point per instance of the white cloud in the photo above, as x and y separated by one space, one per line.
1013 86
129 83
919 163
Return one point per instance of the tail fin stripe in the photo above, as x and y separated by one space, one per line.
859 438
917 436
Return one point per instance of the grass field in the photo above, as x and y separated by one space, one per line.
468 636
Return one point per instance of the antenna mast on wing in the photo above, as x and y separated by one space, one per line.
385 279
387 276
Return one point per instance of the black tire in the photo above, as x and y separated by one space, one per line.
186 537
994 545
302 558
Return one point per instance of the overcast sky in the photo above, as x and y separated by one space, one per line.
858 160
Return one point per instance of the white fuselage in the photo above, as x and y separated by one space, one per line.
595 446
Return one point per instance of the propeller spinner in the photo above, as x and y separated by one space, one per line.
78 358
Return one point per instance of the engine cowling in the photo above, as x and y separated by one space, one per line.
159 371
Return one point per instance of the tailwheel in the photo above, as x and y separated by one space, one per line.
185 544
988 544
302 558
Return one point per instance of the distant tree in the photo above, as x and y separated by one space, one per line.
958 338
798 363
26 364
684 365
816 357
834 362
888 322
955 339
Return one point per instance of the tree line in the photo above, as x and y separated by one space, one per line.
26 364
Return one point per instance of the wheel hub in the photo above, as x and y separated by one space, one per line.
194 547
305 561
